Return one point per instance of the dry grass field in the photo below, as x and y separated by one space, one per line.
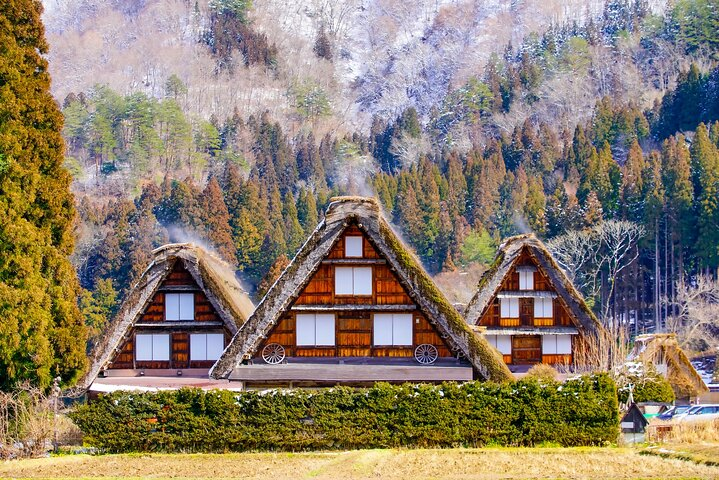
500 463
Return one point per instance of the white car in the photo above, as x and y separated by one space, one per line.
699 413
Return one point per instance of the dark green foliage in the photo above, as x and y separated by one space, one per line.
42 334
655 388
582 411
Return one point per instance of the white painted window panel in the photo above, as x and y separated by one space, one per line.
187 306
325 329
161 347
492 339
383 329
526 280
543 308
362 280
549 344
402 329
143 347
353 246
305 329
215 345
172 306
343 281
509 307
504 344
564 344
198 346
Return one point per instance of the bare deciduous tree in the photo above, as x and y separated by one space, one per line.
697 318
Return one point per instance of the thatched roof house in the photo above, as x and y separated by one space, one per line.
663 351
185 306
528 307
351 331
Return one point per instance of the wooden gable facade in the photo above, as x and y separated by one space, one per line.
356 317
355 307
528 309
174 323
192 340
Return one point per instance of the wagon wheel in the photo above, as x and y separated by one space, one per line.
426 354
273 353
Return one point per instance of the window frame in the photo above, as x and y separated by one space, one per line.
152 338
179 296
526 280
353 270
306 317
206 350
541 304
512 305
393 321
353 239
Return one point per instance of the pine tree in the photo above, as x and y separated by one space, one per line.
41 333
272 275
705 170
307 211
216 220
294 234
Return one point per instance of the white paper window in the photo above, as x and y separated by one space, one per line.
504 344
526 280
564 344
149 347
353 246
393 329
206 346
549 344
492 340
353 281
179 306
509 307
543 308
315 329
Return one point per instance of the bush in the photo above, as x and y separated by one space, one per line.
581 411
648 385
543 372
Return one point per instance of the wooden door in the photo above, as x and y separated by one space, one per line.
526 312
180 350
526 349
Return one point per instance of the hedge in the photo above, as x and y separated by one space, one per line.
581 411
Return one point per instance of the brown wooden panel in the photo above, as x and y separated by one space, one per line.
368 250
543 322
424 332
393 352
526 349
180 346
388 290
125 358
507 359
509 322
354 339
319 289
491 315
179 275
526 311
557 359
315 352
511 281
354 352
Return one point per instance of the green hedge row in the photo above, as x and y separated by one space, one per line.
582 411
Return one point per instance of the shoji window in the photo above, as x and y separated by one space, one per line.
315 329
206 346
509 307
353 246
543 308
526 279
556 344
149 347
393 329
503 343
353 281
179 306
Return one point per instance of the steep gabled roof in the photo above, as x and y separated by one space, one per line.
365 213
213 276
508 254
664 348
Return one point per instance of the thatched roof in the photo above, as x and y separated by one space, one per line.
508 254
215 277
664 349
365 213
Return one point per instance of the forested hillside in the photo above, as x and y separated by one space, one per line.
592 124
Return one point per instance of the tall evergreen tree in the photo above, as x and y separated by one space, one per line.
41 332
705 170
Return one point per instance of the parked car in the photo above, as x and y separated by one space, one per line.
673 411
699 413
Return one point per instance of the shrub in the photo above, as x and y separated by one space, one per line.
581 411
543 372
647 384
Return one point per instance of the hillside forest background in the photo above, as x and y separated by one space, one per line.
593 124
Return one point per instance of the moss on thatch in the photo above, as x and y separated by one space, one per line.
365 213
214 277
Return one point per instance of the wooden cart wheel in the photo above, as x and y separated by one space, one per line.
273 353
426 354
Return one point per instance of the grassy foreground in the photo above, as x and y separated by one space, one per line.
488 463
